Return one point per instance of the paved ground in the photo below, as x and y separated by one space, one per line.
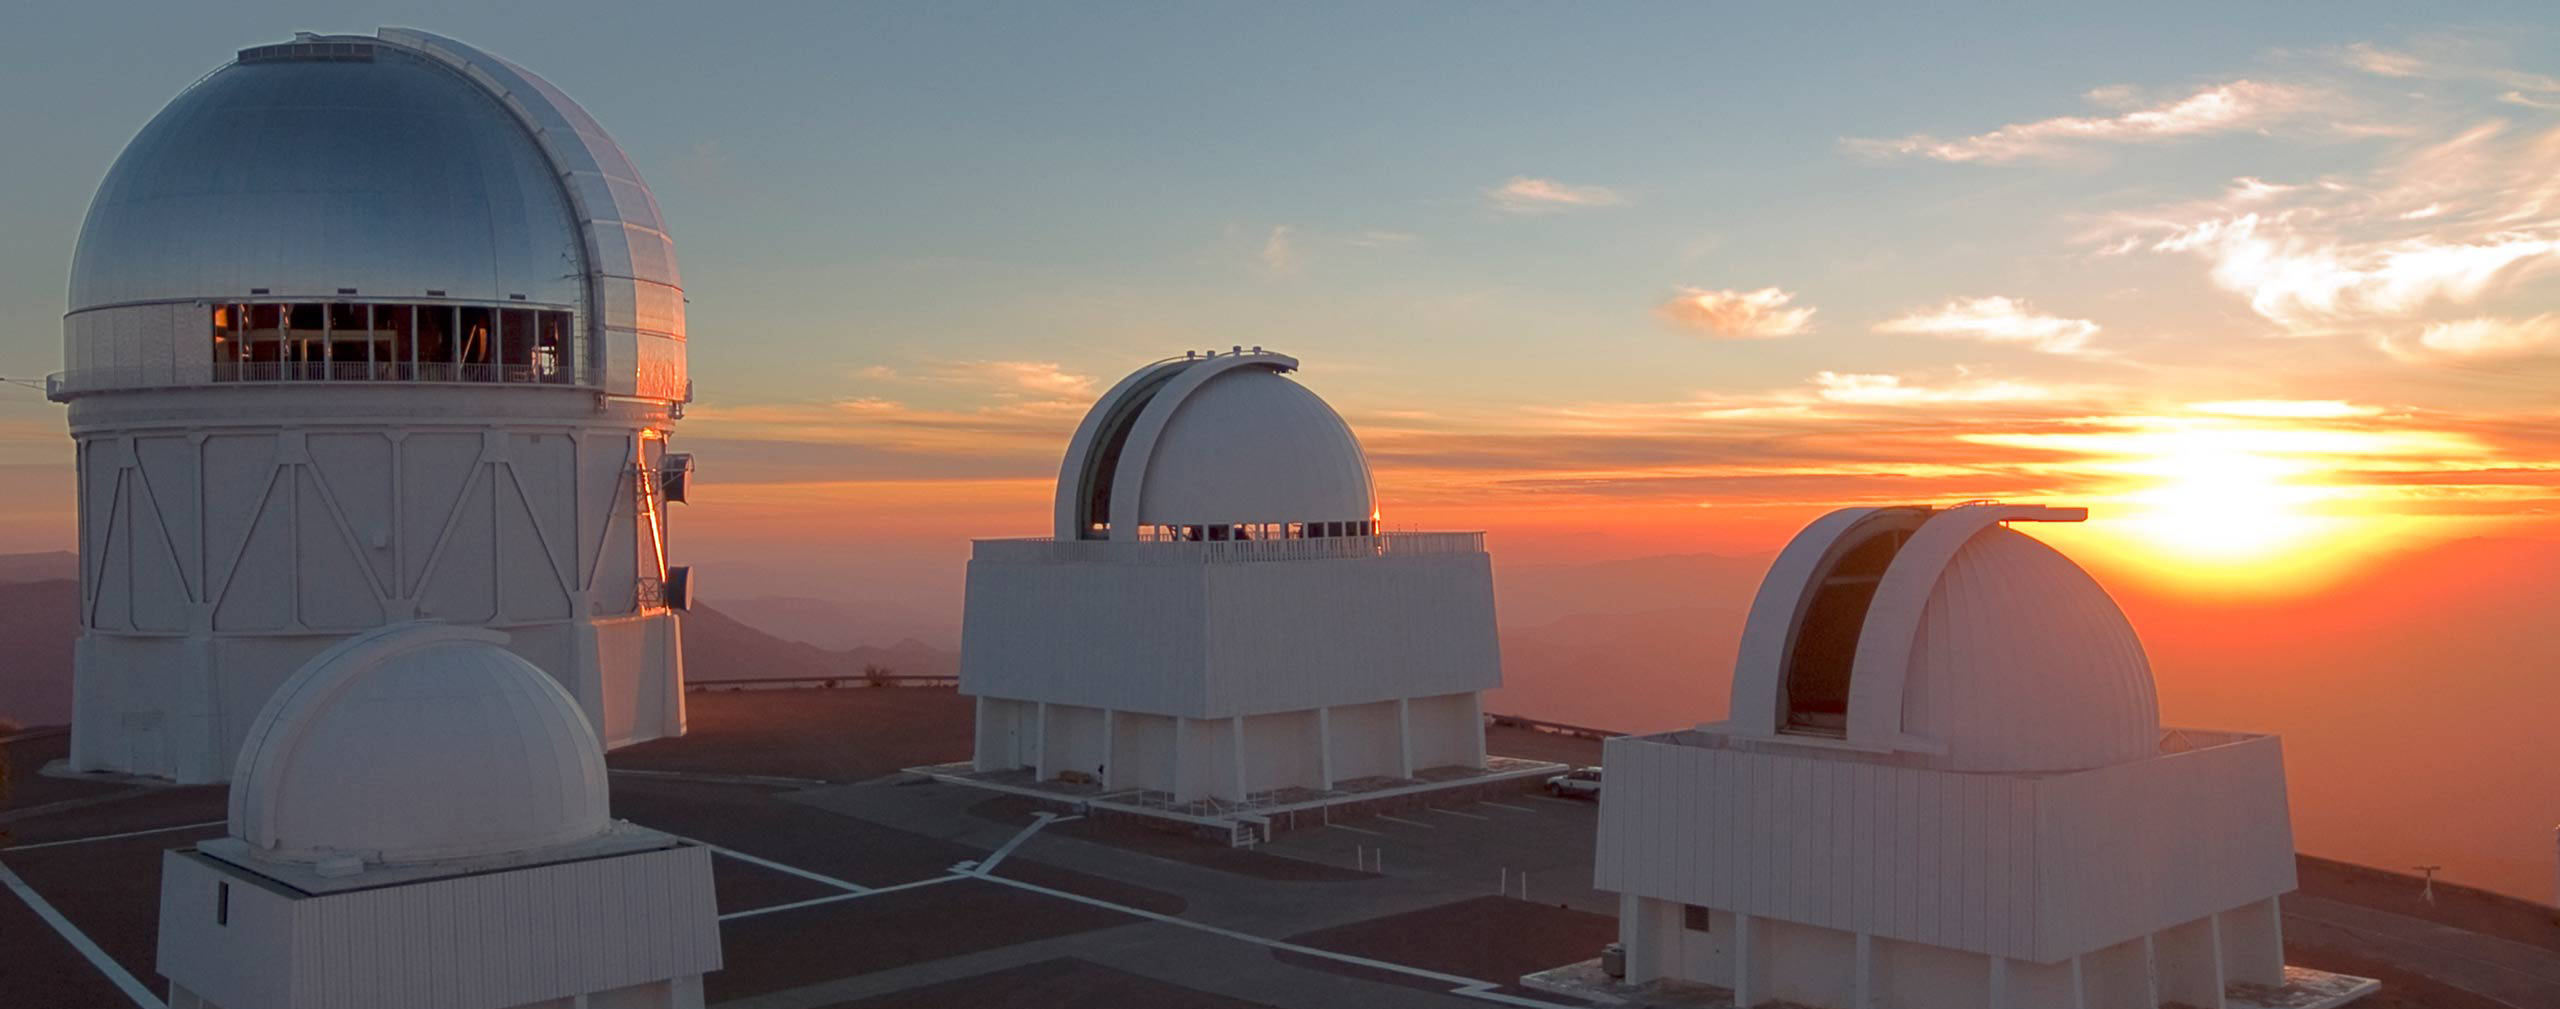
842 884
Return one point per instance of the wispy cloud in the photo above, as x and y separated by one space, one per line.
1997 319
1279 254
2300 409
1738 315
2221 108
1895 390
2478 337
1527 195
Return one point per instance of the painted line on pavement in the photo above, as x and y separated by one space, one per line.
111 837
70 933
1409 823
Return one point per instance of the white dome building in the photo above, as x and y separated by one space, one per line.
1219 622
1943 782
422 780
365 329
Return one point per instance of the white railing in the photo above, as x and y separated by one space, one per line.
1046 550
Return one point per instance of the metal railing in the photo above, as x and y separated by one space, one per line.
62 383
827 682
1047 550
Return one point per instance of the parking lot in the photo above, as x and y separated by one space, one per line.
1484 845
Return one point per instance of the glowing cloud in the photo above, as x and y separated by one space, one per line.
2483 337
1892 390
1526 195
1738 315
2238 105
2299 409
1279 254
1997 320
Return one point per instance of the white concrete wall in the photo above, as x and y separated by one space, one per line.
1073 739
1282 751
614 924
1448 731
1142 751
1211 640
2037 868
1208 762
1365 741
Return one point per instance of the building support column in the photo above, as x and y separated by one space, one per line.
1040 741
1235 746
1649 932
1324 746
2079 981
1862 986
1998 984
1475 714
2189 961
1173 778
1404 738
1746 963
1110 746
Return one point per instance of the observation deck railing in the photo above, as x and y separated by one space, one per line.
1049 550
64 383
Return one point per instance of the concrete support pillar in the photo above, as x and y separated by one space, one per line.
2079 982
1649 929
1475 717
1862 985
1235 747
1324 746
1404 738
2252 938
2188 962
1998 983
1747 981
1040 741
1110 747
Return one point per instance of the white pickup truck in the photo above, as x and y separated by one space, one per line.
1583 781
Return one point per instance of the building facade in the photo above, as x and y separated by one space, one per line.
1220 614
1943 783
366 329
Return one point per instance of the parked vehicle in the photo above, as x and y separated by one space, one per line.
1583 781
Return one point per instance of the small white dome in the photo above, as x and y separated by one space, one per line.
1946 637
2023 663
417 742
1226 439
1251 445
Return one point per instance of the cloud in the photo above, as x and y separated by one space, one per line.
1894 390
1997 320
2237 105
1738 315
2480 337
2301 409
1041 378
1279 254
1526 195
2434 226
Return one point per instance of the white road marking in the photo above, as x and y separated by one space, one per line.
815 901
1497 805
1549 798
1409 823
1355 830
777 866
1458 985
98 958
111 837
1038 820
1453 812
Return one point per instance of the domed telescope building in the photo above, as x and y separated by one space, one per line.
1220 622
420 819
1943 783
366 329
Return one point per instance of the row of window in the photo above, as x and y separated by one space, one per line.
372 341
1256 531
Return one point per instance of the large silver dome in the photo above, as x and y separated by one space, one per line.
389 175
397 170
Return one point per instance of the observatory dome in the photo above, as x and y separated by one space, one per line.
417 742
1947 635
1219 441
299 175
